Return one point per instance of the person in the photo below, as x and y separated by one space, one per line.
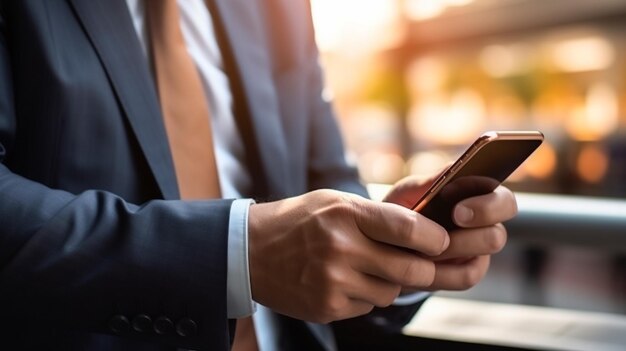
112 238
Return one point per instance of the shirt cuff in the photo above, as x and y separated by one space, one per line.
239 296
410 299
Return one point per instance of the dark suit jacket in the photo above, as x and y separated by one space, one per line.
88 245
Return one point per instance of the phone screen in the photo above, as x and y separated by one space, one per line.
477 172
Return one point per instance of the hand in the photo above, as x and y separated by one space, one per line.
466 260
327 255
482 234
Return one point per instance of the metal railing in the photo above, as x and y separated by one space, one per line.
570 220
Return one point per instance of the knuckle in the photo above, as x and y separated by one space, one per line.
484 215
429 276
326 238
325 304
509 199
408 230
388 298
344 204
409 273
326 194
435 245
418 273
333 276
333 307
348 200
319 222
471 277
337 247
341 207
332 304
495 238
439 246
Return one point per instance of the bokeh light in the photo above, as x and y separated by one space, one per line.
409 103
420 10
543 163
379 166
592 163
452 121
599 115
428 163
500 61
583 54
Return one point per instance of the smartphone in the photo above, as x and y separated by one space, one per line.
479 170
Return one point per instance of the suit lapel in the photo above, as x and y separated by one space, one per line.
238 22
110 29
111 32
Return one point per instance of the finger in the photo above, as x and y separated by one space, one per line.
475 242
481 211
462 276
395 265
372 290
408 190
398 226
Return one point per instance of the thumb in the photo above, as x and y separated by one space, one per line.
399 226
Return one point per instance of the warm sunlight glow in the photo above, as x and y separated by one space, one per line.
427 75
504 60
456 122
598 117
420 10
458 2
428 163
583 54
371 127
354 24
381 167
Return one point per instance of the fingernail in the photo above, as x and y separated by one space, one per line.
446 242
463 214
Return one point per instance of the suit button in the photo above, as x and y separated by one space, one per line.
119 324
142 323
186 327
163 326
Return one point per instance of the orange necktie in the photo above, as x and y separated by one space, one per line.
187 120
183 104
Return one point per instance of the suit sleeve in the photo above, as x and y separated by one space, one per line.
94 262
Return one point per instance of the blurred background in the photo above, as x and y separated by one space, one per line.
415 81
